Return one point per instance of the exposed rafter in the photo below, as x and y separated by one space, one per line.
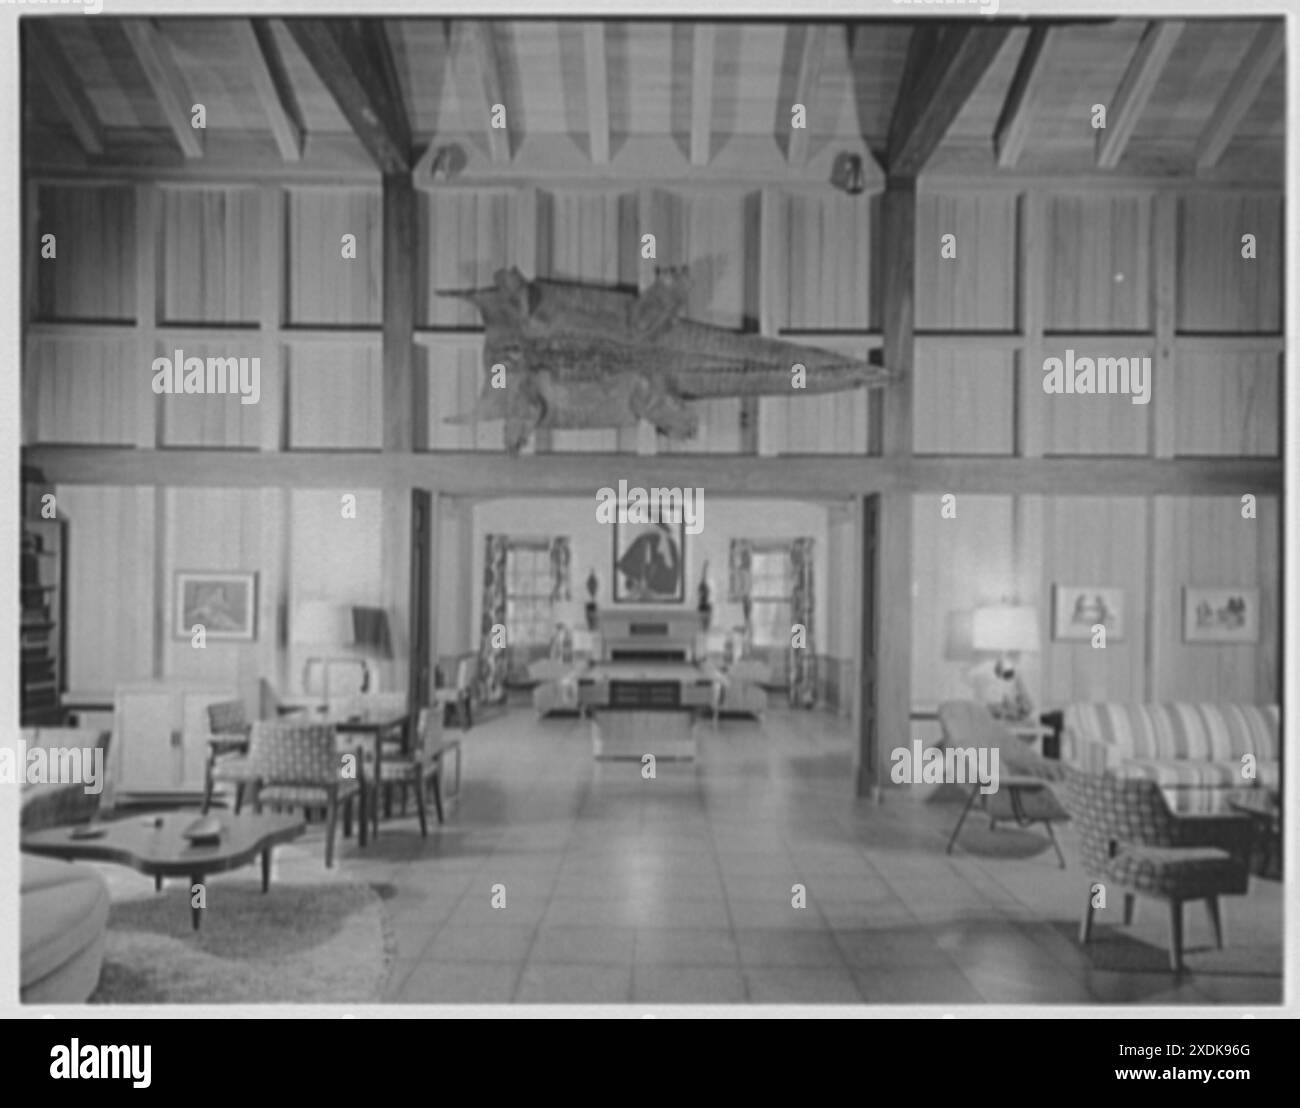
51 66
944 66
1032 76
271 82
434 60
353 60
594 58
702 93
1265 52
805 90
1140 80
164 76
478 37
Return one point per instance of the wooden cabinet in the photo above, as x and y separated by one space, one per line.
160 733
41 617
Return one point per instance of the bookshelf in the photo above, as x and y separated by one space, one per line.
41 622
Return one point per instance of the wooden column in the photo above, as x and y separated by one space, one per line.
404 406
887 618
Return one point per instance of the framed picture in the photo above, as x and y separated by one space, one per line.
1077 609
1220 615
649 562
224 603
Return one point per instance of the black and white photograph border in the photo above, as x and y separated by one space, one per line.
941 304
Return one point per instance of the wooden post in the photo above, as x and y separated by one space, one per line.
887 627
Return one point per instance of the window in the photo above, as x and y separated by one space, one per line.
770 592
529 610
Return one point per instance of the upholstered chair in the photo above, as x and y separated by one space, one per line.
228 751
1132 842
300 765
422 768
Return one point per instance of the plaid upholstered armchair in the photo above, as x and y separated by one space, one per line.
299 765
227 751
1131 841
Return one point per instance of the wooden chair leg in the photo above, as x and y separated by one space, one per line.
436 782
333 818
1176 935
1212 904
419 807
347 818
970 800
208 784
362 831
239 796
1085 925
1055 845
1129 902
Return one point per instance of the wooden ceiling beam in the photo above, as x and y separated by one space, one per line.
702 93
806 85
478 38
164 76
595 64
945 65
1264 53
1140 80
52 68
271 82
1033 74
354 62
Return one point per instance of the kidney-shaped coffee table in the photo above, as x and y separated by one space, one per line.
154 845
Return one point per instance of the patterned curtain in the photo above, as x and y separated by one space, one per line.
560 558
740 579
803 663
492 664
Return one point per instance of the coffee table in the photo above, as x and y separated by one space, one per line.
155 846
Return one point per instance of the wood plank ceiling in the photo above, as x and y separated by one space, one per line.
611 98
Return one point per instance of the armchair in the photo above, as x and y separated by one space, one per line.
458 699
422 768
298 765
1131 840
228 751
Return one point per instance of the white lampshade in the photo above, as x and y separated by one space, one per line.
1005 628
320 623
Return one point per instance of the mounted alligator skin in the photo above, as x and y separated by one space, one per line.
589 356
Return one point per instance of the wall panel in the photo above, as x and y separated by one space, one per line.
832 264
335 396
1229 405
210 256
85 391
976 290
1218 289
92 276
326 289
197 420
463 239
964 402
1099 263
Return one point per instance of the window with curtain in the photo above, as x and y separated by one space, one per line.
530 591
770 590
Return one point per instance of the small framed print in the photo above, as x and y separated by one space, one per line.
1220 615
1077 609
224 604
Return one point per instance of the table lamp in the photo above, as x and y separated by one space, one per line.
1006 631
323 626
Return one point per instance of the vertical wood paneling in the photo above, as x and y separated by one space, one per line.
335 396
211 245
1080 547
957 565
1204 542
964 402
84 391
456 377
1218 289
1228 405
212 421
463 239
1099 266
110 568
832 262
92 276
976 290
326 289
1092 423
332 558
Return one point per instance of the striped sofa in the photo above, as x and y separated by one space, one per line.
1193 752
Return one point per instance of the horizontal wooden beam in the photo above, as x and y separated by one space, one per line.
1139 82
164 76
47 60
943 68
271 82
1033 74
1265 52
818 477
558 161
353 61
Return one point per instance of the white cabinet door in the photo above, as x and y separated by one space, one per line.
148 761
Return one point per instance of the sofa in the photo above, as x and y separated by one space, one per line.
1193 752
52 805
63 916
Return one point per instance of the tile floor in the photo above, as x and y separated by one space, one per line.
678 889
